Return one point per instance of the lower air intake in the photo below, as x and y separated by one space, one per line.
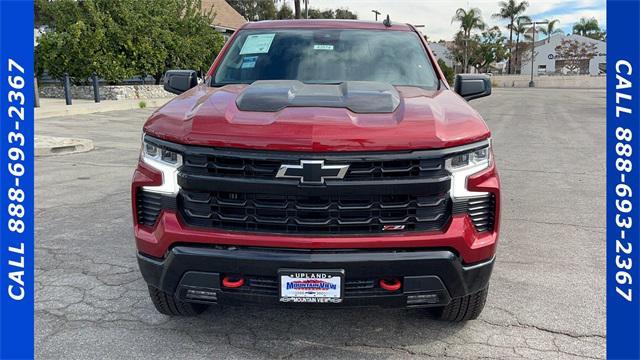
482 212
148 207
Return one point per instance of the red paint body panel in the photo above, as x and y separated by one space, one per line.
424 120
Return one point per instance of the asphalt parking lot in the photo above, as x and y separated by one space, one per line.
547 296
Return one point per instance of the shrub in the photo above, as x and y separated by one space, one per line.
121 39
448 72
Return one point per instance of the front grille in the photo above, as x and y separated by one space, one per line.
238 190
223 164
265 285
148 207
328 214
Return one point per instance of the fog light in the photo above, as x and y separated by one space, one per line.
201 295
420 299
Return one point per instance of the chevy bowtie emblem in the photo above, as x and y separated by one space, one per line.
312 171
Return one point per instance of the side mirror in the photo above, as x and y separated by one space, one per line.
472 86
179 81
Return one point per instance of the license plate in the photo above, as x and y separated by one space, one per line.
311 286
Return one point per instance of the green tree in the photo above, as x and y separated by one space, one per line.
448 72
77 42
255 10
464 49
284 12
314 13
321 14
345 14
490 49
550 29
589 28
331 14
328 14
469 20
191 41
510 10
119 39
266 10
520 27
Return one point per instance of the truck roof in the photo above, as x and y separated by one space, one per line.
326 24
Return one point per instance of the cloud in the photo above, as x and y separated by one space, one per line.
436 14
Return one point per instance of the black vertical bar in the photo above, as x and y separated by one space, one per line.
67 89
96 88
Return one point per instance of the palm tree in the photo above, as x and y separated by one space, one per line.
519 27
469 20
588 27
550 29
510 10
296 8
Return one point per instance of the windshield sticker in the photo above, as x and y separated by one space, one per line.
257 44
322 47
249 62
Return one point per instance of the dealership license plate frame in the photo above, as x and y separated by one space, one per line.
312 297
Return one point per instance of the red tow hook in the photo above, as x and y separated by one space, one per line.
232 281
391 284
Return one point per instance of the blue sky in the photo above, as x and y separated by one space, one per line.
436 14
569 11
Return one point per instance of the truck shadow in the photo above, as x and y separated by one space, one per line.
289 332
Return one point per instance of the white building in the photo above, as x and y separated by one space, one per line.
440 51
547 62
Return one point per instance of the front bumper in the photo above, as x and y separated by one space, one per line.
429 277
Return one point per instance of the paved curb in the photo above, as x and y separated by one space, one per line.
50 145
56 107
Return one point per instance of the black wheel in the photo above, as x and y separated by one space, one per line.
167 304
462 309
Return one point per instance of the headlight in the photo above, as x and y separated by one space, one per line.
474 158
166 161
465 164
154 152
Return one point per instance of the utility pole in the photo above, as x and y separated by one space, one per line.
533 45
377 13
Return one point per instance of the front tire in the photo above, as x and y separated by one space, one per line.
167 304
462 309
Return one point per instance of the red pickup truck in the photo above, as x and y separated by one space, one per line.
320 164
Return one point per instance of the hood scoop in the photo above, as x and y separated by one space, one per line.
358 96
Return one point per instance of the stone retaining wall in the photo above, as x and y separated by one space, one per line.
568 82
120 92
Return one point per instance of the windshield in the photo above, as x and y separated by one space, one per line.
321 56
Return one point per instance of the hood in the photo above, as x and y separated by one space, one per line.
422 119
